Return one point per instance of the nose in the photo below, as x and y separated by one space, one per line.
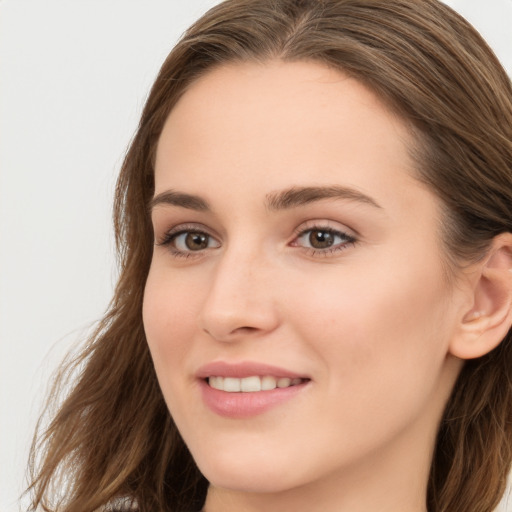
241 299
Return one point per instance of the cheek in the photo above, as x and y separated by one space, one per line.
371 327
381 346
168 317
169 313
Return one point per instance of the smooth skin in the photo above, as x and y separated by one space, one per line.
371 319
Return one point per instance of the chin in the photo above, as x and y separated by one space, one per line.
248 481
263 474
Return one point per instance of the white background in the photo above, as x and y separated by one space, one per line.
73 78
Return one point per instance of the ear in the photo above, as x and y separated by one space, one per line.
488 320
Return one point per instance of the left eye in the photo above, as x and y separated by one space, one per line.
322 238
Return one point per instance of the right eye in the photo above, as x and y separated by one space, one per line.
184 242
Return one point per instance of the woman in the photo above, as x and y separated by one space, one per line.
314 222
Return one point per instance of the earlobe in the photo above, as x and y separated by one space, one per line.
489 319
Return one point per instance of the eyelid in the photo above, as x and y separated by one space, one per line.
170 236
327 225
193 227
346 234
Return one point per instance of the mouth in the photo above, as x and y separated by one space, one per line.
245 389
252 384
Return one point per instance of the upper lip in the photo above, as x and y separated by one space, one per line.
245 369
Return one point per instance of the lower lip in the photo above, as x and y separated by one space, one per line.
245 405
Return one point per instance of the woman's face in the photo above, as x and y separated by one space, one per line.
294 248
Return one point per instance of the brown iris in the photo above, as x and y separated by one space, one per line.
196 241
321 239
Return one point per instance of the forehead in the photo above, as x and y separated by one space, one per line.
275 123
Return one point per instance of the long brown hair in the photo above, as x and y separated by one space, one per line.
113 437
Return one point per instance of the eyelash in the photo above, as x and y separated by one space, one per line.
348 240
302 231
171 235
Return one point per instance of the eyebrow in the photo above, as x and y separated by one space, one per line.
174 198
284 200
298 196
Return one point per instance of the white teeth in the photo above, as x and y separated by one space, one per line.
251 384
284 382
232 385
216 382
268 383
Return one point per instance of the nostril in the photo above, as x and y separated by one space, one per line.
246 329
237 331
